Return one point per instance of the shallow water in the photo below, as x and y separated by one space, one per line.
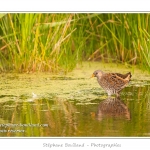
44 105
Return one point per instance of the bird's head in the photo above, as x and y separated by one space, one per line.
97 73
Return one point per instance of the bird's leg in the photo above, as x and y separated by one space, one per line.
118 94
109 95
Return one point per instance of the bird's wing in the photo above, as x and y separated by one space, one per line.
115 81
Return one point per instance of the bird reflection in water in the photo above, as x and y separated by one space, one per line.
113 107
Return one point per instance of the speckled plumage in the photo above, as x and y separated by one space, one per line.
112 83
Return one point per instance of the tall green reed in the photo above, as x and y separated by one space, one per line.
57 42
129 37
37 42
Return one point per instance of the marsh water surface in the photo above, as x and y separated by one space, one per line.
45 105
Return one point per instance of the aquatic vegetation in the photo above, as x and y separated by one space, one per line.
44 105
34 42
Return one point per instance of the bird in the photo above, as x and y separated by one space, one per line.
112 83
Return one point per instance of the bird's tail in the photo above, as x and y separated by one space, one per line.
128 78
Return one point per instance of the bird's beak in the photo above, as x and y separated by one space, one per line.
92 76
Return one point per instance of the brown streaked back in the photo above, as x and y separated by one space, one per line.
124 76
